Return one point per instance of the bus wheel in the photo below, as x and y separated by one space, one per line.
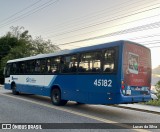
14 92
56 97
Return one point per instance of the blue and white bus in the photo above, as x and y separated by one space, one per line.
110 73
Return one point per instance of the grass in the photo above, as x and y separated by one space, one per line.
154 102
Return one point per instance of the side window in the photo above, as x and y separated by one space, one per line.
43 65
69 64
37 66
30 66
27 68
53 65
40 66
109 60
90 62
21 67
14 68
73 63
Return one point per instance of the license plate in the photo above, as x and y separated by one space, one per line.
128 92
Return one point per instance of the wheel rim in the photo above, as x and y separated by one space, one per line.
56 97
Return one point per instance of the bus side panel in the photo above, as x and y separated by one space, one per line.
91 89
17 79
48 83
27 83
99 89
34 84
7 84
67 85
86 88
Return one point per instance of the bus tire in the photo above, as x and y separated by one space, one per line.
56 97
14 91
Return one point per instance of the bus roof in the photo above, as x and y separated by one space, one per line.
73 51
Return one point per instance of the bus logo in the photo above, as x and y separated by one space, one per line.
14 78
30 80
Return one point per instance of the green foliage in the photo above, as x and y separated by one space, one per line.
41 46
153 102
158 87
18 44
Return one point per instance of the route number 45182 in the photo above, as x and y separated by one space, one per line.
103 82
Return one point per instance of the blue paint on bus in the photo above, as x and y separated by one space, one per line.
90 88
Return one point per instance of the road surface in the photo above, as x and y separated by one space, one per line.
25 108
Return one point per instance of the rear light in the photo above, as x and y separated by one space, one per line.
123 85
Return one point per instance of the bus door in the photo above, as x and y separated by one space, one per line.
68 80
35 78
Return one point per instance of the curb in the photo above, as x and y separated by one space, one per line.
136 109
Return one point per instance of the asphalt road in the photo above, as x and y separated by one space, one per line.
25 108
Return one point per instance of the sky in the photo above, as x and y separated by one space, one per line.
78 23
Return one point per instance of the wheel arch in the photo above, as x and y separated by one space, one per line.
54 87
54 94
12 83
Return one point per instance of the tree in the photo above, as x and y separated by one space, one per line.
41 46
14 44
158 87
17 43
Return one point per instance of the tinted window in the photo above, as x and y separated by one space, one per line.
53 65
14 68
43 65
69 64
90 62
21 67
30 66
109 60
36 66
